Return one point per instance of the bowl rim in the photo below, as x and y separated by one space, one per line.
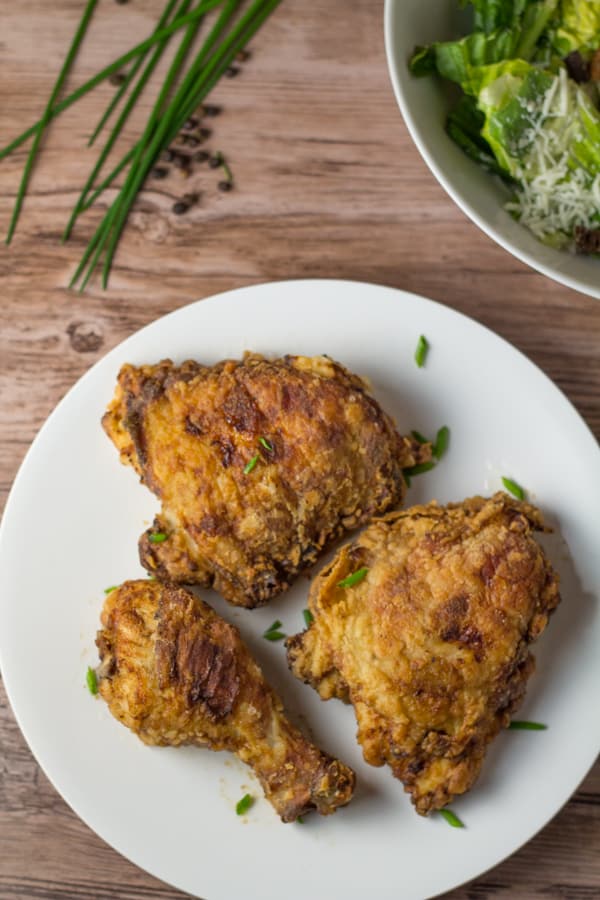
391 8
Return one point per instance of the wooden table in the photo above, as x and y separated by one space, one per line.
328 184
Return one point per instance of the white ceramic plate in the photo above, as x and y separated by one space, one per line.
71 528
424 103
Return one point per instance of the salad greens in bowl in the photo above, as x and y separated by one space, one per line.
502 98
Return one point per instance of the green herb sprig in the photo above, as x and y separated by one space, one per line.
157 537
522 725
178 98
513 488
66 68
354 578
451 818
421 351
91 680
243 805
308 617
273 633
250 464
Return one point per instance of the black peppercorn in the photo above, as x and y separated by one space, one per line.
201 156
117 78
215 161
211 110
180 207
225 186
190 124
205 133
160 172
191 141
243 55
232 71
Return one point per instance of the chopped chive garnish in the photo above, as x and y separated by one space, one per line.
451 818
266 444
418 469
272 633
441 442
308 617
157 538
250 465
299 820
521 725
244 804
512 487
419 437
110 589
421 351
407 479
91 680
353 579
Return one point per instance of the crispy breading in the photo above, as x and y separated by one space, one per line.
432 645
175 673
259 464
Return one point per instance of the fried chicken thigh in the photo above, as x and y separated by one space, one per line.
431 643
175 673
258 464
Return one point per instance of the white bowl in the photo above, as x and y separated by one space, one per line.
424 103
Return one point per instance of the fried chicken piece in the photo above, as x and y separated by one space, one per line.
175 673
431 646
258 464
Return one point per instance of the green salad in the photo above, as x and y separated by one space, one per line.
530 109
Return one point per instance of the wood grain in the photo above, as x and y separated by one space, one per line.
328 184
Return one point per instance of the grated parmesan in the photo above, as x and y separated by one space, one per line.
555 194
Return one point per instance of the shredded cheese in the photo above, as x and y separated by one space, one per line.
555 194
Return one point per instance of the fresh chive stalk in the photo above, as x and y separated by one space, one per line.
451 818
421 351
522 725
131 101
130 76
197 85
515 489
66 68
199 80
105 73
353 579
442 439
418 469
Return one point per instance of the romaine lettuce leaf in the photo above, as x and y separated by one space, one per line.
545 131
520 25
576 26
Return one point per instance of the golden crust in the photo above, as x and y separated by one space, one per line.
328 459
432 646
175 673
